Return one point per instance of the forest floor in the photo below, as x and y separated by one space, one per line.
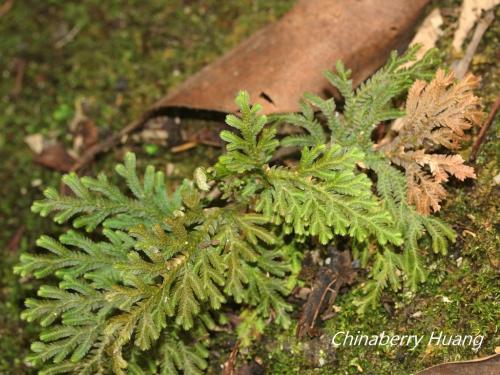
123 55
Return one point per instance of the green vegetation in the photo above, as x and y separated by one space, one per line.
170 261
143 50
128 55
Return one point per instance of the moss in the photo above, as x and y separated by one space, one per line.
458 298
123 56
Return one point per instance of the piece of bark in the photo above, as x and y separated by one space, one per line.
470 13
287 58
482 366
329 279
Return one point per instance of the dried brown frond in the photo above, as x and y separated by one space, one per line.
437 115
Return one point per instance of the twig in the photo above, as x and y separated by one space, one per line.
229 365
109 142
15 240
183 147
461 67
484 129
20 67
334 291
116 138
328 281
69 36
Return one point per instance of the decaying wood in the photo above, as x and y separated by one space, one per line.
287 58
484 129
483 366
329 280
469 14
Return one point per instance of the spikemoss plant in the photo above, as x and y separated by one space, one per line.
140 292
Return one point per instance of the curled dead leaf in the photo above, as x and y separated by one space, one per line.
482 366
281 62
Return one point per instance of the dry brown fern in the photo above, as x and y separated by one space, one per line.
437 115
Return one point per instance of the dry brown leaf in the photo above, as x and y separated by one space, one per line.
281 62
437 115
55 157
482 366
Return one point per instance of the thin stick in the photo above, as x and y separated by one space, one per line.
109 142
484 129
20 71
462 66
229 365
69 36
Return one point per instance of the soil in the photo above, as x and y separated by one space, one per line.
119 57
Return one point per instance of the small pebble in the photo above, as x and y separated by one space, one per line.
496 179
417 314
36 182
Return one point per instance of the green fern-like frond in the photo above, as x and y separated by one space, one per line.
370 103
384 272
254 145
364 108
139 293
176 356
98 201
323 196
